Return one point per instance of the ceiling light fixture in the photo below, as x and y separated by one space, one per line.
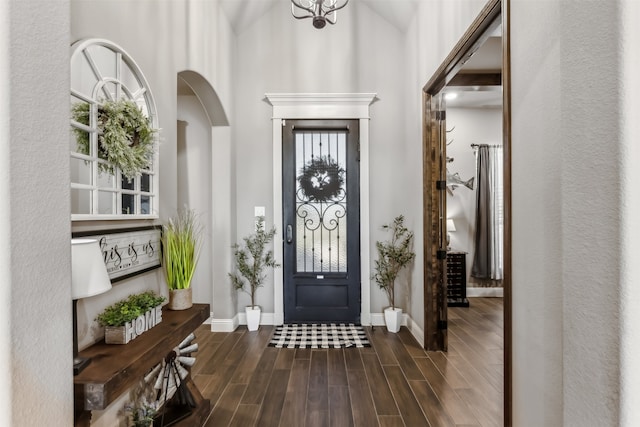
321 11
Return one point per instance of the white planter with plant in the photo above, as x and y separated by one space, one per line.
252 259
393 256
181 243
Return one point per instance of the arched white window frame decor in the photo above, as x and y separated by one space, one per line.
102 71
322 106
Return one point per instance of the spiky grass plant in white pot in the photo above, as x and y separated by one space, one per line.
251 261
393 256
181 243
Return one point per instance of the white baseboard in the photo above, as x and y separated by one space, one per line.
377 319
485 292
416 331
225 325
230 325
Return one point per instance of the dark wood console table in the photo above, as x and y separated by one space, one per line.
114 369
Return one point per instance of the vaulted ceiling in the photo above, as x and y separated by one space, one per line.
399 13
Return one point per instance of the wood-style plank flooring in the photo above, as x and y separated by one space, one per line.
393 383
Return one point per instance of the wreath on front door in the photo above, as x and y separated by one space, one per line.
321 179
125 136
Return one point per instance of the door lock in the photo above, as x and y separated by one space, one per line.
289 233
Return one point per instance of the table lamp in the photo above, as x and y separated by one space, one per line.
89 277
451 226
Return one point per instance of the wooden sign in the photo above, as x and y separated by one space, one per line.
128 252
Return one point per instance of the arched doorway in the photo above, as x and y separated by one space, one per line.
203 158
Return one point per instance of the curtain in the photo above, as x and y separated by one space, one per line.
489 252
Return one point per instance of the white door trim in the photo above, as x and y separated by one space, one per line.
321 106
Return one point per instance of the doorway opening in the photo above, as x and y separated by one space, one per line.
202 161
453 76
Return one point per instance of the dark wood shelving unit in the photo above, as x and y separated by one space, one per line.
114 369
457 279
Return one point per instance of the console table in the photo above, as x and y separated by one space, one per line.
114 368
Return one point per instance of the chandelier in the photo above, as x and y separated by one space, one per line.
321 11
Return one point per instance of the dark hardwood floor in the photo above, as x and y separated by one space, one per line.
393 383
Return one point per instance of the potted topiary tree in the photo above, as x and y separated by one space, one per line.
181 243
393 256
251 261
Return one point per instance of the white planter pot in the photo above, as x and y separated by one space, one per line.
393 319
253 317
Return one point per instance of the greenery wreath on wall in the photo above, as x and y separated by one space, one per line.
125 136
321 179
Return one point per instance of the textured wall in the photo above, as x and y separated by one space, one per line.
174 37
195 185
567 169
630 204
361 53
35 331
428 40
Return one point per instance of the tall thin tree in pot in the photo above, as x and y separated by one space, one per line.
393 256
251 261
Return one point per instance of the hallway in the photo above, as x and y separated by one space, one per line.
393 383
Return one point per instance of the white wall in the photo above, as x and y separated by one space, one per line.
194 152
468 126
572 236
362 53
575 206
172 39
427 41
567 167
165 38
35 253
630 224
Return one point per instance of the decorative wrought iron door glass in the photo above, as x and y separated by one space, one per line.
321 201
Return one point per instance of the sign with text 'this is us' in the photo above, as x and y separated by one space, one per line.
128 252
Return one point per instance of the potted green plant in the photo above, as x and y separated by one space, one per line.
251 261
127 319
142 416
393 256
181 243
144 405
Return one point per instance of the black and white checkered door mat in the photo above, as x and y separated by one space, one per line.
319 336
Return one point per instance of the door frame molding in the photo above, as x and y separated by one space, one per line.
321 106
468 43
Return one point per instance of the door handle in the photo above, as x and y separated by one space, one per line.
289 233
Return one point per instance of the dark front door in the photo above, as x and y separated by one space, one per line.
321 212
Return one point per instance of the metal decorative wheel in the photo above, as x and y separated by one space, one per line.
168 375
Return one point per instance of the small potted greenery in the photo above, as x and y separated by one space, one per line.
128 318
143 408
142 416
393 256
251 261
181 243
